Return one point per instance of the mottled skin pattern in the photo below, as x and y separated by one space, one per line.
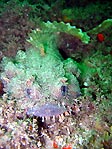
38 81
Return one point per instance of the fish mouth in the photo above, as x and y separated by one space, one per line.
46 110
50 109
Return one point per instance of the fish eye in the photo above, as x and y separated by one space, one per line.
64 90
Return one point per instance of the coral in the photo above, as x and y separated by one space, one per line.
55 144
105 28
100 37
14 28
67 147
87 16
101 27
103 72
40 82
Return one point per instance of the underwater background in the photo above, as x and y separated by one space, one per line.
55 74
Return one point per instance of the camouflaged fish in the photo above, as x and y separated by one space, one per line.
40 80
